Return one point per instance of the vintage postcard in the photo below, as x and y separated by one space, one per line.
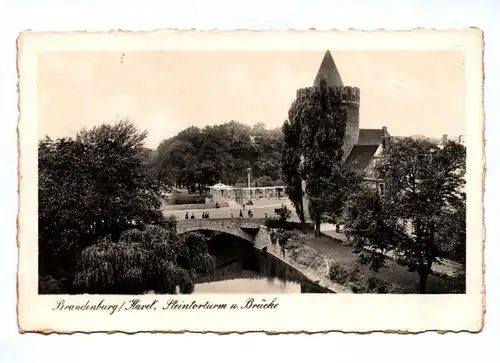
241 181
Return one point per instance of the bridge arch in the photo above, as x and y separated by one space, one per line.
234 226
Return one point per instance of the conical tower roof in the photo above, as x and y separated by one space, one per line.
328 70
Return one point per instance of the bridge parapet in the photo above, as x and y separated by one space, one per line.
234 226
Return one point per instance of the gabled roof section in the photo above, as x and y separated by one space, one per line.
360 157
371 136
328 70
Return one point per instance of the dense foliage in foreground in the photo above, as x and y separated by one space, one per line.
153 259
422 215
99 228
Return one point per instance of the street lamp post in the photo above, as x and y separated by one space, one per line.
248 172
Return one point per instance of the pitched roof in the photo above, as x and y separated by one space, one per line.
360 157
370 136
328 70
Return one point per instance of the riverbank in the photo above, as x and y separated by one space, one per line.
314 257
308 262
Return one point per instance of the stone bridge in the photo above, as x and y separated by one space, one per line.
246 228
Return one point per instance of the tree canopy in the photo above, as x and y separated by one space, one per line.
421 216
98 184
196 158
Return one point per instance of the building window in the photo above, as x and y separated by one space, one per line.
405 225
381 187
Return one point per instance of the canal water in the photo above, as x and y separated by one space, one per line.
242 269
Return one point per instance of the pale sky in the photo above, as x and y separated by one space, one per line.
163 92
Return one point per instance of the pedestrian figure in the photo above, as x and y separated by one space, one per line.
192 215
265 215
187 215
207 215
231 214
241 213
243 206
283 250
337 228
249 213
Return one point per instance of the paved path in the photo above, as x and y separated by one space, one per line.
259 209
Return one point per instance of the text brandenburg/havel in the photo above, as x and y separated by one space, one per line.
170 304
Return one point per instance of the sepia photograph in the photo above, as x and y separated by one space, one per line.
255 172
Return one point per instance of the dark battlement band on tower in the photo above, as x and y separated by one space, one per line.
349 94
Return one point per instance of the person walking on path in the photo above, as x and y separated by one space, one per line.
192 215
241 213
187 215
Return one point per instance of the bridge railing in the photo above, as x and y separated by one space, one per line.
242 219
234 221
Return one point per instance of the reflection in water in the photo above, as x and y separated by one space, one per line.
241 269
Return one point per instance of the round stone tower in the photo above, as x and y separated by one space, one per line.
329 72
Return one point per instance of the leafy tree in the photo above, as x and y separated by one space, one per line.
268 145
153 259
421 217
182 162
282 237
98 184
177 160
291 158
323 119
283 214
264 181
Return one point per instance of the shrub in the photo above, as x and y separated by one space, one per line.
457 283
97 184
184 198
275 223
281 237
283 214
359 283
49 285
338 273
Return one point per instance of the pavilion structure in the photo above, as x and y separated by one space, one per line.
245 194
